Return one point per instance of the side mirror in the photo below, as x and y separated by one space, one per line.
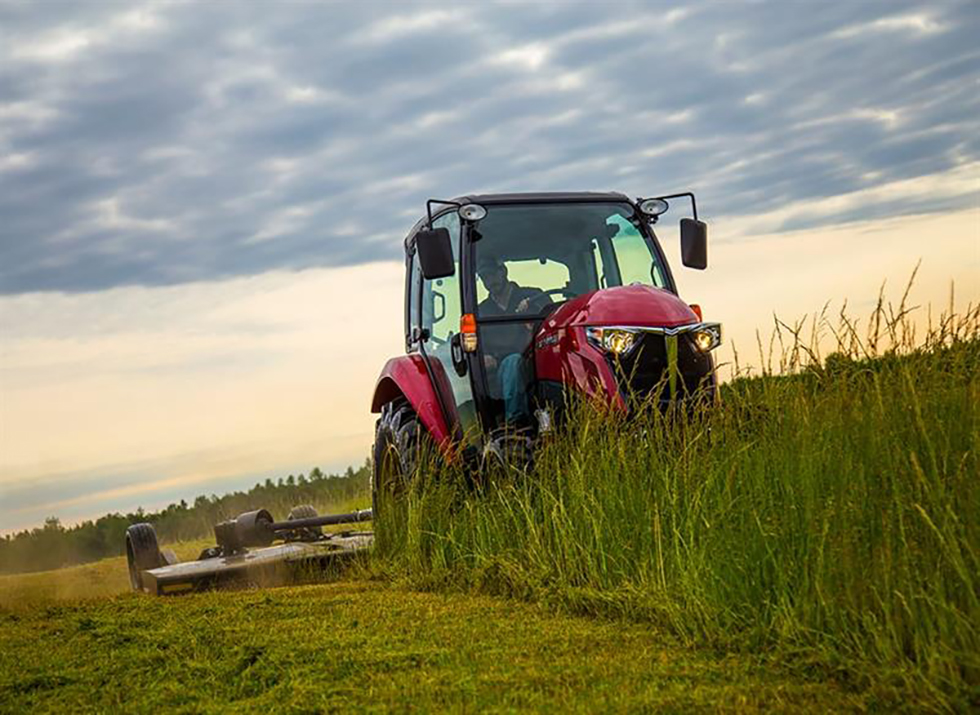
694 243
435 253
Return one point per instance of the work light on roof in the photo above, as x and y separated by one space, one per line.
472 212
653 207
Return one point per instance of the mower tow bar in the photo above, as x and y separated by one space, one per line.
353 517
256 528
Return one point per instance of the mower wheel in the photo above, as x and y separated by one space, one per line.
142 553
304 511
397 439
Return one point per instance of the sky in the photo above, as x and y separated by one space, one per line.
202 205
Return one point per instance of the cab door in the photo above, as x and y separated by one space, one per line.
441 310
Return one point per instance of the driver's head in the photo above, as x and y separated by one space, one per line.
493 273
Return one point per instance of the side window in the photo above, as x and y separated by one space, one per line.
414 295
441 305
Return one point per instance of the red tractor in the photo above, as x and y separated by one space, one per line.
512 300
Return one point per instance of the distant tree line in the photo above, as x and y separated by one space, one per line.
54 545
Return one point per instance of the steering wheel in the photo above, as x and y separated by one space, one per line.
537 304
561 293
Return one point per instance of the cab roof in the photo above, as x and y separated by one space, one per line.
539 197
523 198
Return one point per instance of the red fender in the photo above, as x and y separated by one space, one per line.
406 376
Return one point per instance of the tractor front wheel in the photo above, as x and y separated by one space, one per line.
511 451
397 440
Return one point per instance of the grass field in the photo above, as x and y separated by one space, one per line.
810 543
828 516
356 645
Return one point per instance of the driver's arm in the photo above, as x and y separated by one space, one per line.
534 303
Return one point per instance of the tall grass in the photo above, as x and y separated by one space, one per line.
826 511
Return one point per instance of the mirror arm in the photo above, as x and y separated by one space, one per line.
687 194
430 202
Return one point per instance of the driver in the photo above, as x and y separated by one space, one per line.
506 298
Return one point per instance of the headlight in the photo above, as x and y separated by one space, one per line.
707 337
618 341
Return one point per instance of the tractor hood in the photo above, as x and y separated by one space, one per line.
639 305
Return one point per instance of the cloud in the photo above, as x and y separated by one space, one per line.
915 23
162 143
400 26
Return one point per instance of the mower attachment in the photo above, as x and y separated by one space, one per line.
245 554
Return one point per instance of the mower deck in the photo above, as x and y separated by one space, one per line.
265 566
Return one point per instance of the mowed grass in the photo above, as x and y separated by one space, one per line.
827 516
107 577
358 646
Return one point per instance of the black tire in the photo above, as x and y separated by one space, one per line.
305 511
398 439
511 451
142 553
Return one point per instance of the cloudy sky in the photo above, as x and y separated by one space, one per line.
201 204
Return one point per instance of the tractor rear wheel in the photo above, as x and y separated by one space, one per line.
142 553
398 438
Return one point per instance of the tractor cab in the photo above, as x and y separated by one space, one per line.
513 299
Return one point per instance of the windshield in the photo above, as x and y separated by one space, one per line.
529 257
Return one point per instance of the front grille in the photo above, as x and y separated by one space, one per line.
644 371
